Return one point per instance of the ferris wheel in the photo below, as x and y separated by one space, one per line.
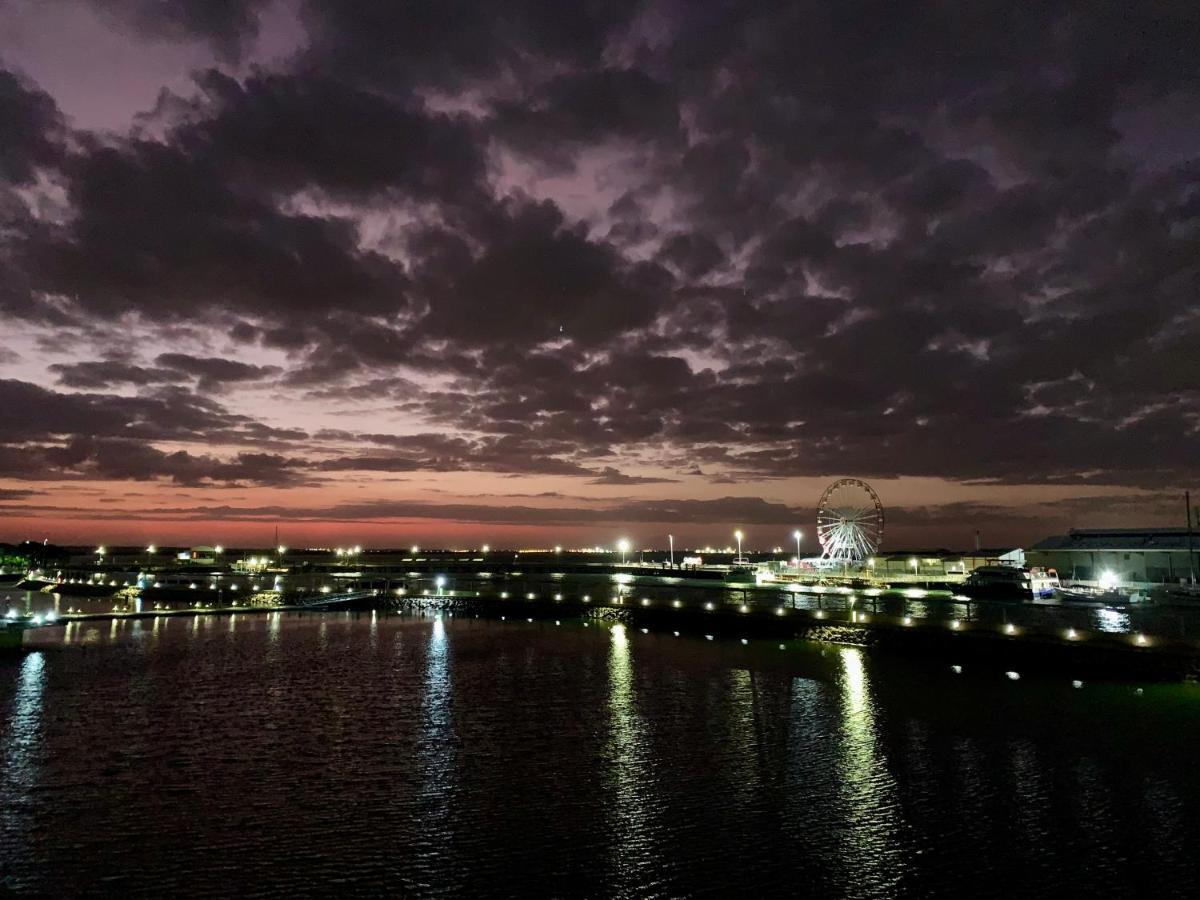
849 521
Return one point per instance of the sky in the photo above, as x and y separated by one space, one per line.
534 273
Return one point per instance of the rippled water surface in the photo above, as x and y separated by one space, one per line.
300 754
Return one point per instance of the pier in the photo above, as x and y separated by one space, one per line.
936 623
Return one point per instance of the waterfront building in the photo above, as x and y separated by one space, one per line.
942 563
1119 556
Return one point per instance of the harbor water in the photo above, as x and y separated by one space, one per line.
277 754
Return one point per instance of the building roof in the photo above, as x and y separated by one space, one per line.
1091 539
942 553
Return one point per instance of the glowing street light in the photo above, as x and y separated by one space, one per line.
218 549
623 546
797 535
738 535
485 548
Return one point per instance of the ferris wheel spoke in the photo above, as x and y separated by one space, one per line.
849 521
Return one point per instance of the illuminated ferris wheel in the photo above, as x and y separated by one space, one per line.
849 521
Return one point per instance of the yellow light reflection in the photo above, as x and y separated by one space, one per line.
867 791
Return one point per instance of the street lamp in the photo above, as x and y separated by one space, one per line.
738 535
623 546
797 535
485 548
671 539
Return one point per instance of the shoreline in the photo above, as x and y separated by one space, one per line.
1115 657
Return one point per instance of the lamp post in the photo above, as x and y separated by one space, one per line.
671 539
738 535
797 535
623 546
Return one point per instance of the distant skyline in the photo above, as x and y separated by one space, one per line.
533 273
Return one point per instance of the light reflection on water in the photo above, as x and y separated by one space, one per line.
21 752
632 862
426 755
866 785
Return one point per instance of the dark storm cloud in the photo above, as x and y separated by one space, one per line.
29 412
108 373
17 494
228 24
213 373
884 238
33 129
538 278
587 109
125 460
161 233
612 475
308 130
449 44
507 454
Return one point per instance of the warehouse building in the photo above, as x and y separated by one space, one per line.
1119 555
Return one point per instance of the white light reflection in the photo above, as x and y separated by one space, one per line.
871 842
436 755
21 750
633 860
